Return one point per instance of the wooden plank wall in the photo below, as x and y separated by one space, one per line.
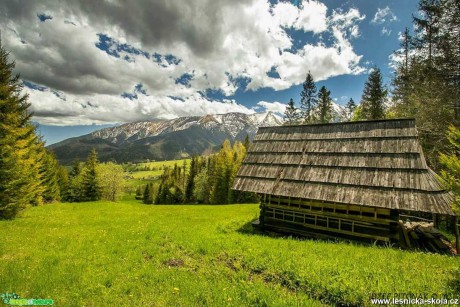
305 217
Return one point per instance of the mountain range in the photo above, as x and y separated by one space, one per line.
169 139
164 140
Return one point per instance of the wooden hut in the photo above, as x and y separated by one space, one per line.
351 179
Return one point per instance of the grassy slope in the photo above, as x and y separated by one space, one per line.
97 254
144 177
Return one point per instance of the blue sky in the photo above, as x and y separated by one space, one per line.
86 64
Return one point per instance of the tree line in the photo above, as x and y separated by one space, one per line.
28 171
316 106
91 180
208 180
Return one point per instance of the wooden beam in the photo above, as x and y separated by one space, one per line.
338 215
346 207
345 232
405 234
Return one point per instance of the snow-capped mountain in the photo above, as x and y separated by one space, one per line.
168 139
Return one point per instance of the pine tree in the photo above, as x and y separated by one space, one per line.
350 108
426 84
139 194
50 177
374 96
188 197
75 191
64 182
20 182
291 114
428 28
148 194
308 100
90 185
324 105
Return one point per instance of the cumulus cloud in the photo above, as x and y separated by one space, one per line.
276 107
69 109
384 15
92 53
310 16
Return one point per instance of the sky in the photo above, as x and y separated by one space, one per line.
88 63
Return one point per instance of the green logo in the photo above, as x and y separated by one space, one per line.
15 300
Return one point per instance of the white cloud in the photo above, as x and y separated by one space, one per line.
84 110
384 15
386 31
309 17
218 42
276 107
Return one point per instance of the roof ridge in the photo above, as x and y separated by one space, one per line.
344 123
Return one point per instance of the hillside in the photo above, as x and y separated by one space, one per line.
163 140
128 254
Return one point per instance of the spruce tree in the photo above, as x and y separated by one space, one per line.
291 114
350 108
148 194
90 184
374 96
50 177
64 183
188 197
308 100
324 105
20 182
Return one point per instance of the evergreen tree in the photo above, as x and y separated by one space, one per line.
139 194
188 197
50 177
374 96
324 105
291 114
350 108
64 182
90 185
246 142
148 194
427 25
222 174
426 84
75 191
308 100
20 182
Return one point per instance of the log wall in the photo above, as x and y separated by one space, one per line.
327 220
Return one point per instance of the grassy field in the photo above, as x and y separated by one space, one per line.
140 177
128 254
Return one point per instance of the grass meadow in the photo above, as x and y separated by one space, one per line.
129 254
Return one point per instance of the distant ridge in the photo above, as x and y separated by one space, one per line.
164 140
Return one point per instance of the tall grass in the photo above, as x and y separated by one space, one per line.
127 254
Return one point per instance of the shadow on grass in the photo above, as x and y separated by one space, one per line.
249 229
454 283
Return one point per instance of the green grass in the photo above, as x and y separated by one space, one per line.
141 177
128 254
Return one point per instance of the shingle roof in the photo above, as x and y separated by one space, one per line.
372 163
